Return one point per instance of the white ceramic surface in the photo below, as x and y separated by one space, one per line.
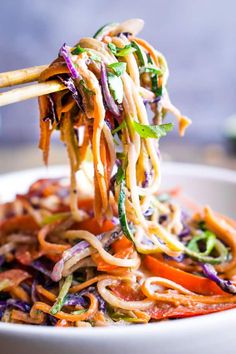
206 334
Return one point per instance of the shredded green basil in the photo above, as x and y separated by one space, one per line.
121 126
152 131
86 89
139 52
95 57
150 69
118 68
116 87
78 50
121 52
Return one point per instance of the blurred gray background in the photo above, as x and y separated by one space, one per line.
197 37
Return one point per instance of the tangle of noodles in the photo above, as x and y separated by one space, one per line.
111 247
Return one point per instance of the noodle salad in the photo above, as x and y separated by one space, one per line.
115 250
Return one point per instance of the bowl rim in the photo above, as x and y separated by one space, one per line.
199 170
164 327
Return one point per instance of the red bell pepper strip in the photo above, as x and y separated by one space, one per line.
192 282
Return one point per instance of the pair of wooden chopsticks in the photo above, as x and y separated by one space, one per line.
23 76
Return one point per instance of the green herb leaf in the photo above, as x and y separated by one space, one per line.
139 52
122 212
152 131
163 197
116 87
86 89
120 175
150 68
121 52
118 68
78 50
157 91
95 57
121 126
62 294
120 155
154 80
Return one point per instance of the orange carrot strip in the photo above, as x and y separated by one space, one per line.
47 246
47 294
79 287
19 293
18 315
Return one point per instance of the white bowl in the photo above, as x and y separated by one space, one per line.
207 334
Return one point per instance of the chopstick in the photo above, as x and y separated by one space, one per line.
30 91
22 76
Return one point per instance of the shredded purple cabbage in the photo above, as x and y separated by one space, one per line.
185 232
146 179
162 218
69 83
153 100
2 260
43 265
53 110
114 236
75 299
110 102
18 304
186 229
210 272
148 212
51 320
126 34
64 52
3 306
58 267
178 259
26 287
34 295
92 290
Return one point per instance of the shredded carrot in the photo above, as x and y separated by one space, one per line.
47 246
19 293
47 294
